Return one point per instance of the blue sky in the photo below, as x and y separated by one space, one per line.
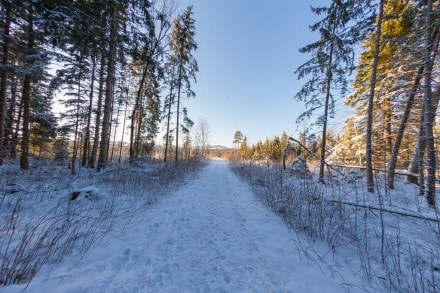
247 54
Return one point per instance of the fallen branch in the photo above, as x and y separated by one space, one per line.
436 220
316 156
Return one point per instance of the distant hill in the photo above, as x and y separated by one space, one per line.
218 147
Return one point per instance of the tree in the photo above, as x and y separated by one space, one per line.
369 146
182 44
396 89
203 136
428 114
3 78
114 14
186 131
244 147
150 45
170 68
331 63
238 138
26 91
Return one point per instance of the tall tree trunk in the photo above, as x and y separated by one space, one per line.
167 140
139 129
103 155
413 167
95 146
86 147
136 109
369 146
14 139
9 122
123 132
179 85
421 152
428 108
77 116
402 126
3 84
387 129
114 132
26 96
326 105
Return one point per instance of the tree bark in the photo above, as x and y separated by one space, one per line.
9 120
14 139
136 109
114 132
123 132
369 146
428 108
402 126
103 152
413 167
167 140
86 148
179 85
26 95
326 105
3 84
95 146
78 98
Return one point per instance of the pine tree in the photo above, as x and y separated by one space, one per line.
395 71
331 62
150 46
170 68
369 146
182 45
114 18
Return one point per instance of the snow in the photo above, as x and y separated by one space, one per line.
210 235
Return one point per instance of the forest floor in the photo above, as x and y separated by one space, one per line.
209 235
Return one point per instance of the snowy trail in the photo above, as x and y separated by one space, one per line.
209 236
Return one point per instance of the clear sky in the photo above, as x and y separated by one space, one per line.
247 54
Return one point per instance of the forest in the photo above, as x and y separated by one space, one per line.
124 69
382 58
116 65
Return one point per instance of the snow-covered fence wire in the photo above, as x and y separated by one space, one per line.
396 248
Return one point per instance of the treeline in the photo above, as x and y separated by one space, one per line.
113 62
382 58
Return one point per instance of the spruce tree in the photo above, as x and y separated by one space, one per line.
238 138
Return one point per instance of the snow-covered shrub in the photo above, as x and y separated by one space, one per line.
90 193
299 168
396 249
61 156
353 175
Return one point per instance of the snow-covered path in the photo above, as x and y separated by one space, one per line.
209 236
